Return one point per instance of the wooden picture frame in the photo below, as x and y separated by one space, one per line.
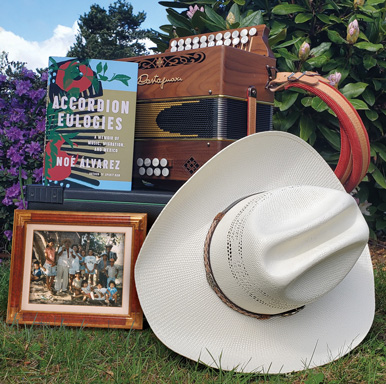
36 299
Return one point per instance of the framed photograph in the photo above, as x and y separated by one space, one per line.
75 268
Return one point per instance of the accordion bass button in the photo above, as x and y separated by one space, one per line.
149 171
219 36
139 162
227 35
235 34
147 162
211 37
165 172
252 31
244 32
188 41
157 172
155 162
142 171
163 162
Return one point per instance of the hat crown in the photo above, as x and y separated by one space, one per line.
282 249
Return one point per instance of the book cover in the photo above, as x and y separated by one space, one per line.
90 123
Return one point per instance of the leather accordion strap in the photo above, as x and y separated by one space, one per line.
354 157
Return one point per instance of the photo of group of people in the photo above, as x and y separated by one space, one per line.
77 268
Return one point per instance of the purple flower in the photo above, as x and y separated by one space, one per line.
22 87
8 234
36 94
17 115
2 78
21 204
45 76
38 174
41 125
11 194
2 103
14 134
33 148
27 73
16 156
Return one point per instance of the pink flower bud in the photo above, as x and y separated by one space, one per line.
193 10
304 51
358 3
352 32
334 79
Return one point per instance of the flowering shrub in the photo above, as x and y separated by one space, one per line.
343 40
22 125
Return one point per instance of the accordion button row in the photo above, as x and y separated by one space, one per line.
228 38
153 167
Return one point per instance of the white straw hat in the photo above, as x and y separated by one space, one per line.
259 262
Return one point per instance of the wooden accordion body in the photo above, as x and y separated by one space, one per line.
192 101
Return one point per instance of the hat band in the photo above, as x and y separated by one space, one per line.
212 281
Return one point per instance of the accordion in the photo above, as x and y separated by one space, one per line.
203 93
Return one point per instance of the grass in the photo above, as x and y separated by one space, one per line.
41 354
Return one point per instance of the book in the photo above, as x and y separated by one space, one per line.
89 138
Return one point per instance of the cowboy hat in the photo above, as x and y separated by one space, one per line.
259 262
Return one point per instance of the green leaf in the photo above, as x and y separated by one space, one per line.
358 104
288 43
176 19
369 62
283 121
318 61
368 46
286 9
320 49
197 22
239 2
353 89
377 85
235 11
371 115
181 32
368 96
324 18
303 17
288 55
215 17
377 175
306 127
380 149
318 104
172 4
99 67
279 37
306 101
288 98
331 136
255 18
375 2
335 37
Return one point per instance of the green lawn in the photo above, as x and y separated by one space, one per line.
41 354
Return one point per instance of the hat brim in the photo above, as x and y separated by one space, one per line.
183 310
